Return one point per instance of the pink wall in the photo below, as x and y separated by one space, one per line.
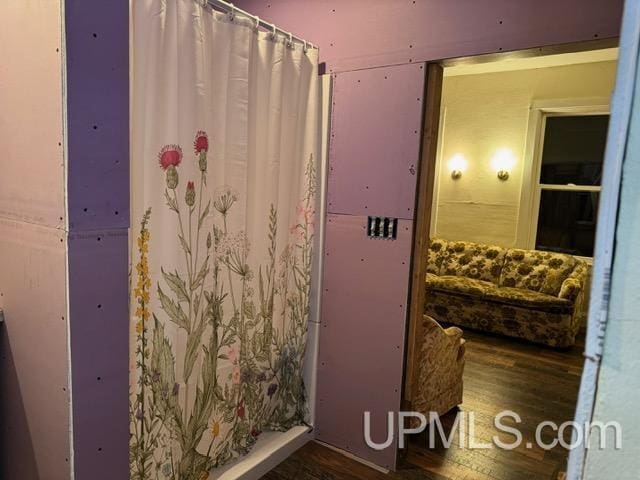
34 373
357 34
373 145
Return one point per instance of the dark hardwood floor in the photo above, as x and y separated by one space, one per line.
536 382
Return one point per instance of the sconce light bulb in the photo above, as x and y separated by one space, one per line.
457 165
502 162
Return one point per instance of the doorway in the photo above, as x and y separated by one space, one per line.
506 217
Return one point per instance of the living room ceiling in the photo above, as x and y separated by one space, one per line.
544 61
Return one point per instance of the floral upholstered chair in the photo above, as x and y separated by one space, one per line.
440 367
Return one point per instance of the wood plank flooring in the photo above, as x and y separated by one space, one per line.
500 374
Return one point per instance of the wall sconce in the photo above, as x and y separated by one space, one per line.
502 162
457 165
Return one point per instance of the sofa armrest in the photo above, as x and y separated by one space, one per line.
570 289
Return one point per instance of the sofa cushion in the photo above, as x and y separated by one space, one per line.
537 271
459 285
435 255
473 260
524 298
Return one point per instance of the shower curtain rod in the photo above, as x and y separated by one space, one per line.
233 10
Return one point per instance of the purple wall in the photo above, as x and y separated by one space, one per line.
97 42
372 144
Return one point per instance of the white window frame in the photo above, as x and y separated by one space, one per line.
531 189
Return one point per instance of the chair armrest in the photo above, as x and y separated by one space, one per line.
441 344
452 332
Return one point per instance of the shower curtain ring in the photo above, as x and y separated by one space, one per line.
232 12
304 48
290 44
274 34
257 23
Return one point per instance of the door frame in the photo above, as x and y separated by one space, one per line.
607 214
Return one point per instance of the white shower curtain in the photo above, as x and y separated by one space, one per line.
222 204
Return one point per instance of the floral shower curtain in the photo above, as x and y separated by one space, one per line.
222 190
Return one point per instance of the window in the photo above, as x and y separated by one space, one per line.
568 183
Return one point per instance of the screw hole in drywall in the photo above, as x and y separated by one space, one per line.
99 379
116 212
95 127
99 238
99 305
85 209
99 449
595 35
95 35
500 22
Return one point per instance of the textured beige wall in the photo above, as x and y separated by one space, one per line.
484 113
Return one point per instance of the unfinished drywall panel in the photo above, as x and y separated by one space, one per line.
34 385
361 351
34 405
97 44
375 141
99 352
361 34
32 178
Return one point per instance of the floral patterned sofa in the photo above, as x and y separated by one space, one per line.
529 294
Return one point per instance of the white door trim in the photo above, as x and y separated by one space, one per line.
621 107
